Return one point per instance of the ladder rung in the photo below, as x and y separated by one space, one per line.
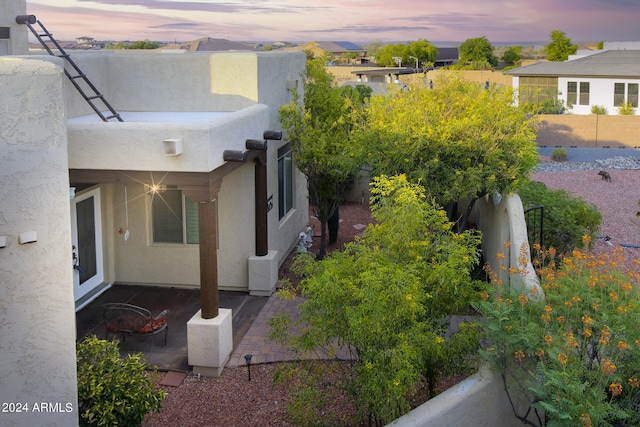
95 97
112 117
45 35
79 76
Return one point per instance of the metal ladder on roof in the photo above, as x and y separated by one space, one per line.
79 80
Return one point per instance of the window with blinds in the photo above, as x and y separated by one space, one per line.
285 181
174 217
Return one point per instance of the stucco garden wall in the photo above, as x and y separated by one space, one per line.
591 130
37 323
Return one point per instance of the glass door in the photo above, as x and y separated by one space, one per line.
86 234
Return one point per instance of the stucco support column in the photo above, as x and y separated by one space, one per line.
208 232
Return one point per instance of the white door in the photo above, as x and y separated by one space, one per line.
86 232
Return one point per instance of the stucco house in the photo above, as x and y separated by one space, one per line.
604 79
189 186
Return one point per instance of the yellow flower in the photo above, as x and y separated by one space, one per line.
633 382
519 356
622 345
523 299
548 339
396 382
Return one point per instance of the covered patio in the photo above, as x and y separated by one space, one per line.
182 304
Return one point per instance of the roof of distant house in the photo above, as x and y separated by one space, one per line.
333 47
610 63
208 44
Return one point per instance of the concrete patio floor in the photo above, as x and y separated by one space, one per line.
182 305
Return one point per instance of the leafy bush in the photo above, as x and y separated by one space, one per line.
573 346
387 298
113 391
598 109
626 109
566 218
559 154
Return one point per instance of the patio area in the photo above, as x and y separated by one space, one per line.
182 305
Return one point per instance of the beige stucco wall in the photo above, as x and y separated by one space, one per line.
37 324
18 41
592 130
256 87
478 401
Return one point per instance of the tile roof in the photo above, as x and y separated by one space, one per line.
610 63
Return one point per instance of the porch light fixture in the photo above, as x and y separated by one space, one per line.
247 358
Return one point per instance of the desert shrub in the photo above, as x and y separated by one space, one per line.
598 109
626 109
566 217
559 154
573 346
113 391
387 297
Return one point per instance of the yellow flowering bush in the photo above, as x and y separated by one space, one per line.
573 348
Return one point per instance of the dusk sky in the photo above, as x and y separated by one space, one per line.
359 21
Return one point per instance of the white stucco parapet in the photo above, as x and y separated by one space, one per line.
138 145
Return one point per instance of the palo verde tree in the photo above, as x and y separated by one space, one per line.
423 50
386 298
461 140
319 130
477 53
560 46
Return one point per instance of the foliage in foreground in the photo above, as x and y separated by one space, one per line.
566 218
387 298
113 391
575 349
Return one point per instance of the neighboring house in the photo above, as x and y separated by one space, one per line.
446 56
607 79
207 44
334 49
174 195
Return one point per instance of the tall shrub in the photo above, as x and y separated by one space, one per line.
566 217
573 349
113 391
387 298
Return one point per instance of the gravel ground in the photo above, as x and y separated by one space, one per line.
617 200
232 400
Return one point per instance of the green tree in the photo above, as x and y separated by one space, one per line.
560 47
373 48
319 130
140 44
512 54
349 57
462 140
388 52
423 50
387 298
477 52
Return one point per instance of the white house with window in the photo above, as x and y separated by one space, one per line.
607 79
